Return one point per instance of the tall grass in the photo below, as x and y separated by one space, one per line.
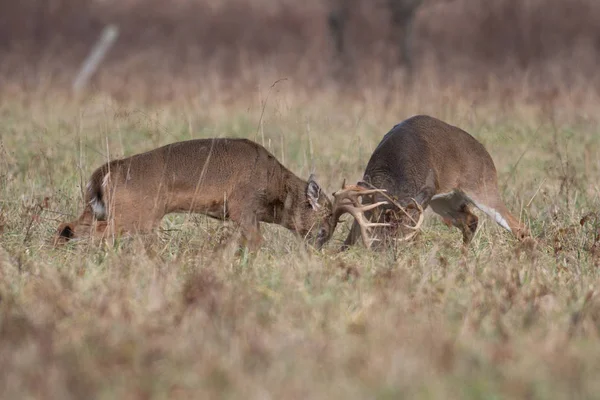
181 314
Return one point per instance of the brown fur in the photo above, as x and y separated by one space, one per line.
423 157
234 179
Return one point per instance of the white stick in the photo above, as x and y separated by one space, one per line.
90 65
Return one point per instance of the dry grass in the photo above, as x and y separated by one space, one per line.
181 315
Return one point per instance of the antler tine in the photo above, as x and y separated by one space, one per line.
421 217
403 209
415 229
399 206
364 224
353 192
407 237
347 201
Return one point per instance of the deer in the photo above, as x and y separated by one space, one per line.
423 162
224 178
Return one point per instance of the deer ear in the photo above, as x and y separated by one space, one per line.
313 191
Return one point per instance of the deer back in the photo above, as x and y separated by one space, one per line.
413 149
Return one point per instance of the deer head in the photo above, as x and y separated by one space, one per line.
348 200
316 220
398 221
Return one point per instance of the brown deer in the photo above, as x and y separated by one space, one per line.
234 179
426 162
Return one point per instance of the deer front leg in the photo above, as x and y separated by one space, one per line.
248 223
352 237
251 237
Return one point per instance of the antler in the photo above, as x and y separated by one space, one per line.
415 229
347 201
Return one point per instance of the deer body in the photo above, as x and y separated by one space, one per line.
234 179
441 166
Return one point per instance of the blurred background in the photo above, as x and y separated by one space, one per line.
168 47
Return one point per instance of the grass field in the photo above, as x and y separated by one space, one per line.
183 315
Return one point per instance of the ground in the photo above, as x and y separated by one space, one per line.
183 315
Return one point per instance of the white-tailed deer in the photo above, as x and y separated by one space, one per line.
234 179
426 162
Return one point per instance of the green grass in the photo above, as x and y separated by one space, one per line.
181 314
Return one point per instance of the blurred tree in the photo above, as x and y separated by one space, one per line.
337 18
401 13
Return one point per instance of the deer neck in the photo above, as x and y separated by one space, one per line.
292 203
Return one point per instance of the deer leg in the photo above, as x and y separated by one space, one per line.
129 215
467 222
243 210
455 209
464 220
355 231
251 236
250 231
79 228
352 237
247 221
64 233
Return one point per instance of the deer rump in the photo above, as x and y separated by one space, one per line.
425 162
223 178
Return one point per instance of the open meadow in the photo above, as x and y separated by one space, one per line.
181 314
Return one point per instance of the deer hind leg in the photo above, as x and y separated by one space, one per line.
120 227
83 227
132 212
455 209
467 222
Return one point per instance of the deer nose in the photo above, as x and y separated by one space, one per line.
322 238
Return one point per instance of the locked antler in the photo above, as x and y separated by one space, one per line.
415 229
347 200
